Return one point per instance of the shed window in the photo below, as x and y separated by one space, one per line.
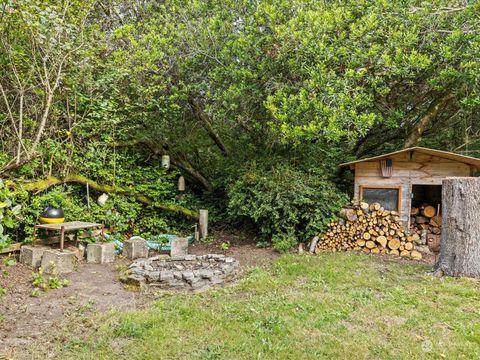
388 197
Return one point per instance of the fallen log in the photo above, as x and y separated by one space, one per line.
370 244
433 242
382 240
436 221
41 185
428 225
421 220
394 244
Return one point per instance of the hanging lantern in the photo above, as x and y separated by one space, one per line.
166 162
181 183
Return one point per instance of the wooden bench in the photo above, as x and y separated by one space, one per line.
67 227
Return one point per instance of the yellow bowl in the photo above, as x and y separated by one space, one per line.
51 220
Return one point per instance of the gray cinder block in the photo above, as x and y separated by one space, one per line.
32 255
58 262
135 248
100 253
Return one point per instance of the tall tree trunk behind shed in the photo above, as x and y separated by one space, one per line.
433 110
460 245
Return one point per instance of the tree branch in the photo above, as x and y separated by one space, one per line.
422 124
203 117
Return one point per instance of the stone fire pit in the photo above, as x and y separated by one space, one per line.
188 272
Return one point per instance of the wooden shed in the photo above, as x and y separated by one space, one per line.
408 178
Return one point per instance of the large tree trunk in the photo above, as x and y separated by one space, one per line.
422 124
460 245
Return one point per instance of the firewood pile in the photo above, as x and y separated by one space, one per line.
426 222
371 229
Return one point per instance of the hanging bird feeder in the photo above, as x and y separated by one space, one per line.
166 162
181 183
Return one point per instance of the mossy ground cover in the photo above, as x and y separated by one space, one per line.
343 305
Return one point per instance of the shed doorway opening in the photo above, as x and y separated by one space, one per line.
426 220
426 195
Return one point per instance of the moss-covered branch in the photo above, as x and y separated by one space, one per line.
41 185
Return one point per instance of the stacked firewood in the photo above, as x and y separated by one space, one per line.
371 229
426 222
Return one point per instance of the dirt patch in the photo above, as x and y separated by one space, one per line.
239 246
94 288
25 318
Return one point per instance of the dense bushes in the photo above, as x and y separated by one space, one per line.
122 215
10 212
287 205
220 84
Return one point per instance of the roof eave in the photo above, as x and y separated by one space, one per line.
473 162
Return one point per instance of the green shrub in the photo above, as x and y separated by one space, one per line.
283 242
286 204
10 216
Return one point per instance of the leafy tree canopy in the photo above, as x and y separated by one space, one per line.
87 86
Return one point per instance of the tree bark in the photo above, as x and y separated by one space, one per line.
460 243
50 92
41 185
422 124
189 169
200 114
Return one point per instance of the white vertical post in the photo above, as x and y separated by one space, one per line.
181 183
88 197
203 221
197 234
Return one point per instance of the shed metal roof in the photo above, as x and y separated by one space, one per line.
439 153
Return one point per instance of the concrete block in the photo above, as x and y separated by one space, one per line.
32 255
63 262
135 248
100 253
179 247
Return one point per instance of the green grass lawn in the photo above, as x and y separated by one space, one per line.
343 305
